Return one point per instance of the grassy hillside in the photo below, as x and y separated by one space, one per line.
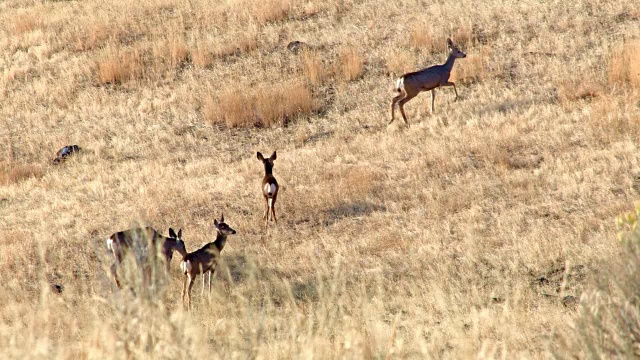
480 231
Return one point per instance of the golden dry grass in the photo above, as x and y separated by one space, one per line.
488 237
624 64
266 105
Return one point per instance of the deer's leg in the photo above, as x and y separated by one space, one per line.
401 106
210 275
184 288
266 209
433 99
273 211
204 277
454 88
272 206
393 106
114 273
192 280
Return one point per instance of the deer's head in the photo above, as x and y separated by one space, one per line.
454 50
222 227
268 162
179 245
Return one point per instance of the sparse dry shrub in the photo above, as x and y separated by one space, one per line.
201 56
607 324
12 172
170 53
399 63
26 22
16 73
118 67
462 36
351 63
624 64
313 68
421 37
179 52
95 36
473 68
607 119
570 90
266 105
284 102
235 109
239 43
270 11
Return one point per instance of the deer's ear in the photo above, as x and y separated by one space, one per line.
273 156
172 233
449 43
215 223
221 217
260 157
180 234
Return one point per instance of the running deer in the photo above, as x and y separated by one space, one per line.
411 84
204 259
269 188
138 241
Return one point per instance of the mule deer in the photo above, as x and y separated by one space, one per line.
411 84
269 188
138 240
204 259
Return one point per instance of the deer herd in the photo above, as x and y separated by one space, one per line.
145 244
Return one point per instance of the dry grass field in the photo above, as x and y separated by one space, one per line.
485 230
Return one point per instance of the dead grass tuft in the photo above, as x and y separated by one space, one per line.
462 36
279 105
201 56
232 108
241 43
13 173
95 36
399 63
421 37
169 54
314 68
267 105
118 67
610 124
270 11
576 89
179 52
25 23
624 65
351 63
471 69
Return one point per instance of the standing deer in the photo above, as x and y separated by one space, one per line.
138 240
204 259
411 84
269 188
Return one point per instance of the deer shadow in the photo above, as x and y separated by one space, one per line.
350 210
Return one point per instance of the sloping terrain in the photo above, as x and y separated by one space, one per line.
473 232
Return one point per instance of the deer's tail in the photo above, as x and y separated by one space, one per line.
185 266
399 84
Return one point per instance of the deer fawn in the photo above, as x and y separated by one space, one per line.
204 259
269 188
411 84
138 240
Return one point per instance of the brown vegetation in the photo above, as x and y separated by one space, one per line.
491 236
